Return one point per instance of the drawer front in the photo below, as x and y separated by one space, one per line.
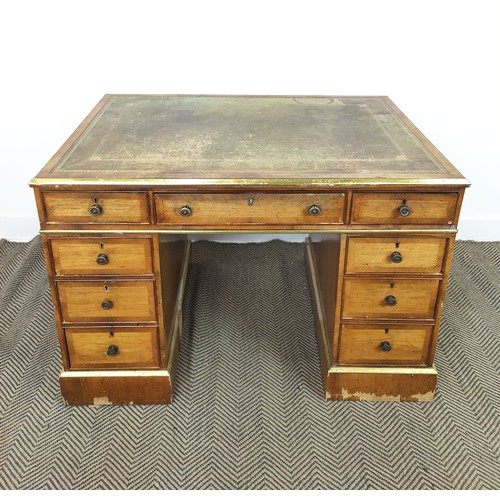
217 209
389 345
96 208
395 254
112 347
96 301
390 298
102 256
404 208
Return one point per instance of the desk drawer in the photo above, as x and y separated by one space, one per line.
112 347
395 254
219 209
390 298
102 256
96 207
403 208
97 301
388 345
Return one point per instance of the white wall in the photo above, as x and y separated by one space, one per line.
438 60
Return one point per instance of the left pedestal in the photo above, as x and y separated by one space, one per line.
118 306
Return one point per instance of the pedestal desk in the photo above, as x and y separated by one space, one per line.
377 203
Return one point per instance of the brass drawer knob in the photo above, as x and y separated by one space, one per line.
185 211
390 300
107 304
95 209
385 346
396 257
112 350
102 259
314 209
404 210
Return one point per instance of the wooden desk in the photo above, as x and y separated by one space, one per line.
118 201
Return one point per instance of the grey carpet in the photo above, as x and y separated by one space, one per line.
249 411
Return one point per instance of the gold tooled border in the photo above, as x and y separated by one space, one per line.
325 182
330 230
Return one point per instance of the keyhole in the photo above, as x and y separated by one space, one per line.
392 284
387 331
404 201
95 200
397 244
106 288
112 334
101 245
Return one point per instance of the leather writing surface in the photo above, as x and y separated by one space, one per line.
237 137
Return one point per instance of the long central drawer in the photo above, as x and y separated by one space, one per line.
218 209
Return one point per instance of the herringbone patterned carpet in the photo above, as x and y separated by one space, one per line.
249 410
